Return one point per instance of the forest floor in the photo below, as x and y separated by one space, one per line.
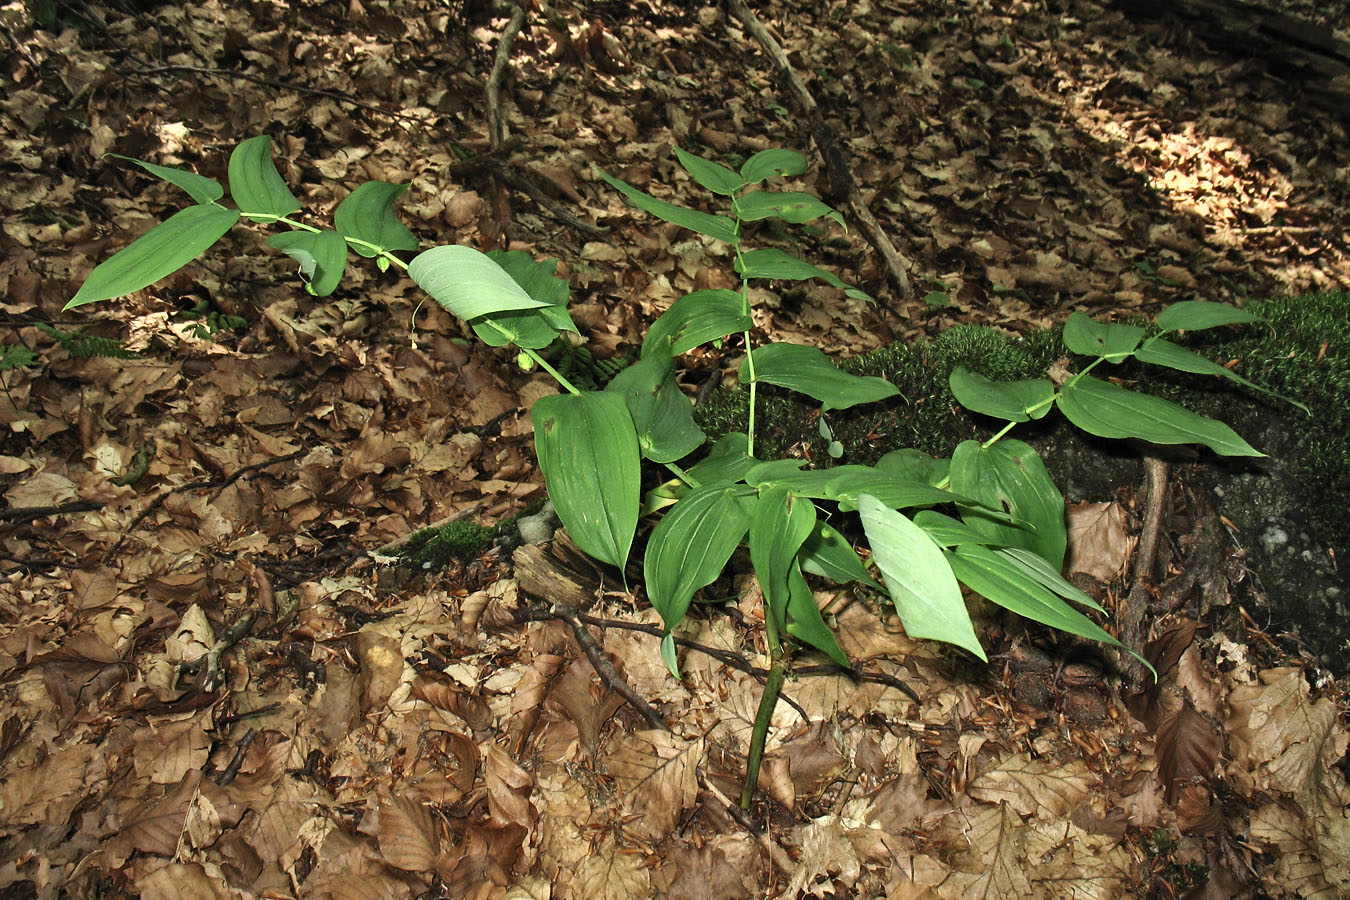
212 688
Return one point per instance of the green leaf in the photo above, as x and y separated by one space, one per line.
726 463
664 416
1040 570
804 621
827 554
999 580
691 545
533 328
791 206
914 465
668 654
522 327
809 371
1103 409
945 530
588 452
918 577
844 484
768 163
1016 401
200 188
1009 476
256 186
778 526
1115 342
322 256
774 264
468 283
713 176
696 319
719 227
1197 315
159 252
367 214
1162 352
536 277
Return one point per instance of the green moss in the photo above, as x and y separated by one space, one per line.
457 541
1305 354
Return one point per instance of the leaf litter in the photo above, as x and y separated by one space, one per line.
212 691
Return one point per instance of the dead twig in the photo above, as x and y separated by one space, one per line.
612 679
727 657
500 63
842 185
1136 602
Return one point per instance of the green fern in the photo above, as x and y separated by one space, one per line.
16 356
85 346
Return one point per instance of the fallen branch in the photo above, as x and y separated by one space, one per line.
842 185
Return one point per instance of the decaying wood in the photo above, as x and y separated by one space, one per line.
837 171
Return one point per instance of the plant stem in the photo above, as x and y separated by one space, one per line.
557 376
768 700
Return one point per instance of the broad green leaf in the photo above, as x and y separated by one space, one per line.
200 188
536 277
668 654
726 463
918 577
827 554
256 186
945 530
696 319
663 415
774 264
1103 409
367 214
691 545
1043 572
998 579
468 283
809 371
1009 476
914 465
1016 401
719 227
161 251
790 206
713 176
1162 352
844 484
588 453
531 328
768 163
528 328
1197 315
805 623
322 256
778 526
1115 342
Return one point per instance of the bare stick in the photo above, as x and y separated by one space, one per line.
841 180
502 61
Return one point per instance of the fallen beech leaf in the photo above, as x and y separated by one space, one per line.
1098 544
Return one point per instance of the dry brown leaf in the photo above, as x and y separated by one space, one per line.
1188 747
610 874
1098 544
655 778
407 834
1042 786
381 661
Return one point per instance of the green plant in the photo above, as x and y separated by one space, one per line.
989 517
